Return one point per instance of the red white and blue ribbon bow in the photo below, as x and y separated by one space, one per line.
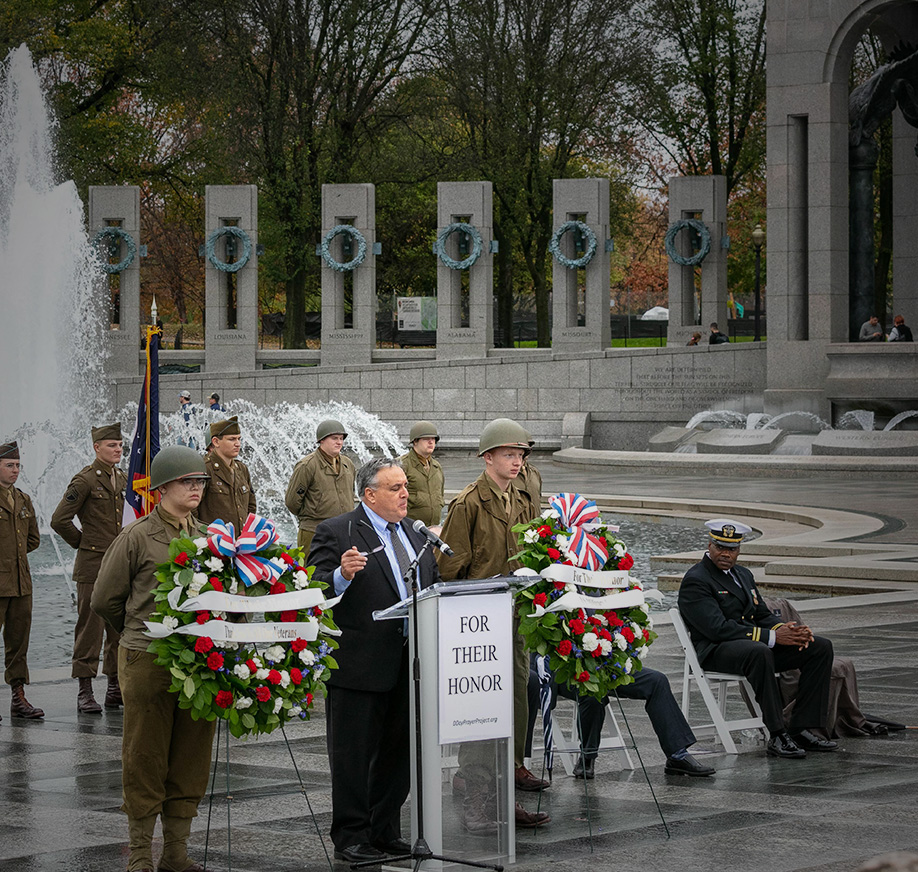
580 515
257 534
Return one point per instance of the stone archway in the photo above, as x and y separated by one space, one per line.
810 48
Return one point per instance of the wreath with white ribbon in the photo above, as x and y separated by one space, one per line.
115 233
705 237
256 675
472 232
356 260
210 248
554 246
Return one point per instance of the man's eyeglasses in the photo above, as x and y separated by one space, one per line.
193 483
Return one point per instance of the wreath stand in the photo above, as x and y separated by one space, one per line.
549 753
229 798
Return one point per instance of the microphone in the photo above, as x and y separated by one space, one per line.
433 538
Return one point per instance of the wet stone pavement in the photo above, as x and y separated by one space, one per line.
60 778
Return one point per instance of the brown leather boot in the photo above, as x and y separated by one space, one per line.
175 839
20 707
113 693
86 702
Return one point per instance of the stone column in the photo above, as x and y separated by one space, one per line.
470 202
119 206
905 221
704 198
862 161
231 298
585 200
352 344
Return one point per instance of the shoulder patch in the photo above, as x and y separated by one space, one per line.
71 496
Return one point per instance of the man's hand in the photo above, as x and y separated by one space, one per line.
352 561
794 634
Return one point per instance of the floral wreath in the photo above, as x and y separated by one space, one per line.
594 644
217 667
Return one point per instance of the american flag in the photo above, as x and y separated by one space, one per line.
138 500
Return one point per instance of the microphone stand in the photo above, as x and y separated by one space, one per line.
420 850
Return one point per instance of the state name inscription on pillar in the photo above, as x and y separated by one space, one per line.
476 668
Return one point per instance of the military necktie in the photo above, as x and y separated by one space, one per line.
401 555
6 494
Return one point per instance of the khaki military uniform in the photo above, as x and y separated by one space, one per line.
425 488
165 753
319 489
98 502
229 495
478 529
530 480
18 536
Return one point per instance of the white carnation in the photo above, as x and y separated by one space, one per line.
200 543
563 543
234 587
243 702
307 657
295 711
285 678
214 564
570 588
620 642
641 652
627 666
256 660
590 642
602 619
530 537
636 628
278 704
170 623
605 646
300 580
275 653
649 623
262 674
551 514
619 549
242 671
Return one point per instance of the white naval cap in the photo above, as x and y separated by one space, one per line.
727 533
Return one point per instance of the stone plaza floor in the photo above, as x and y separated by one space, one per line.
60 778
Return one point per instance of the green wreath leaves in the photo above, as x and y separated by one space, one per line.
554 246
210 248
115 233
705 238
356 260
449 230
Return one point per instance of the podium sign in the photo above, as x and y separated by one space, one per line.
476 668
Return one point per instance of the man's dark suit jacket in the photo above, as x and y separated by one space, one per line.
370 652
716 610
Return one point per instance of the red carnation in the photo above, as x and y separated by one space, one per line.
540 599
216 584
263 694
182 558
296 676
288 559
308 700
274 677
203 617
288 617
278 587
565 647
584 676
626 562
204 644
646 634
544 531
560 585
597 652
628 633
576 626
251 666
604 634
594 621
616 622
298 645
611 616
224 699
215 661
555 554
317 612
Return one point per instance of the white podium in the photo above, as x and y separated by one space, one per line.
465 639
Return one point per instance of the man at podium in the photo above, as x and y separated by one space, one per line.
363 555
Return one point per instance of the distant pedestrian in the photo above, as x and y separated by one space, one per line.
214 401
871 331
716 337
696 338
900 332
189 414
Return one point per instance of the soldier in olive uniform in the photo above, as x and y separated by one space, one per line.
18 536
322 484
229 496
96 496
165 753
425 475
478 528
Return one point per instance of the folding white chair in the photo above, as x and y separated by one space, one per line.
720 728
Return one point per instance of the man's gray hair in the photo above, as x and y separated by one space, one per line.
368 474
